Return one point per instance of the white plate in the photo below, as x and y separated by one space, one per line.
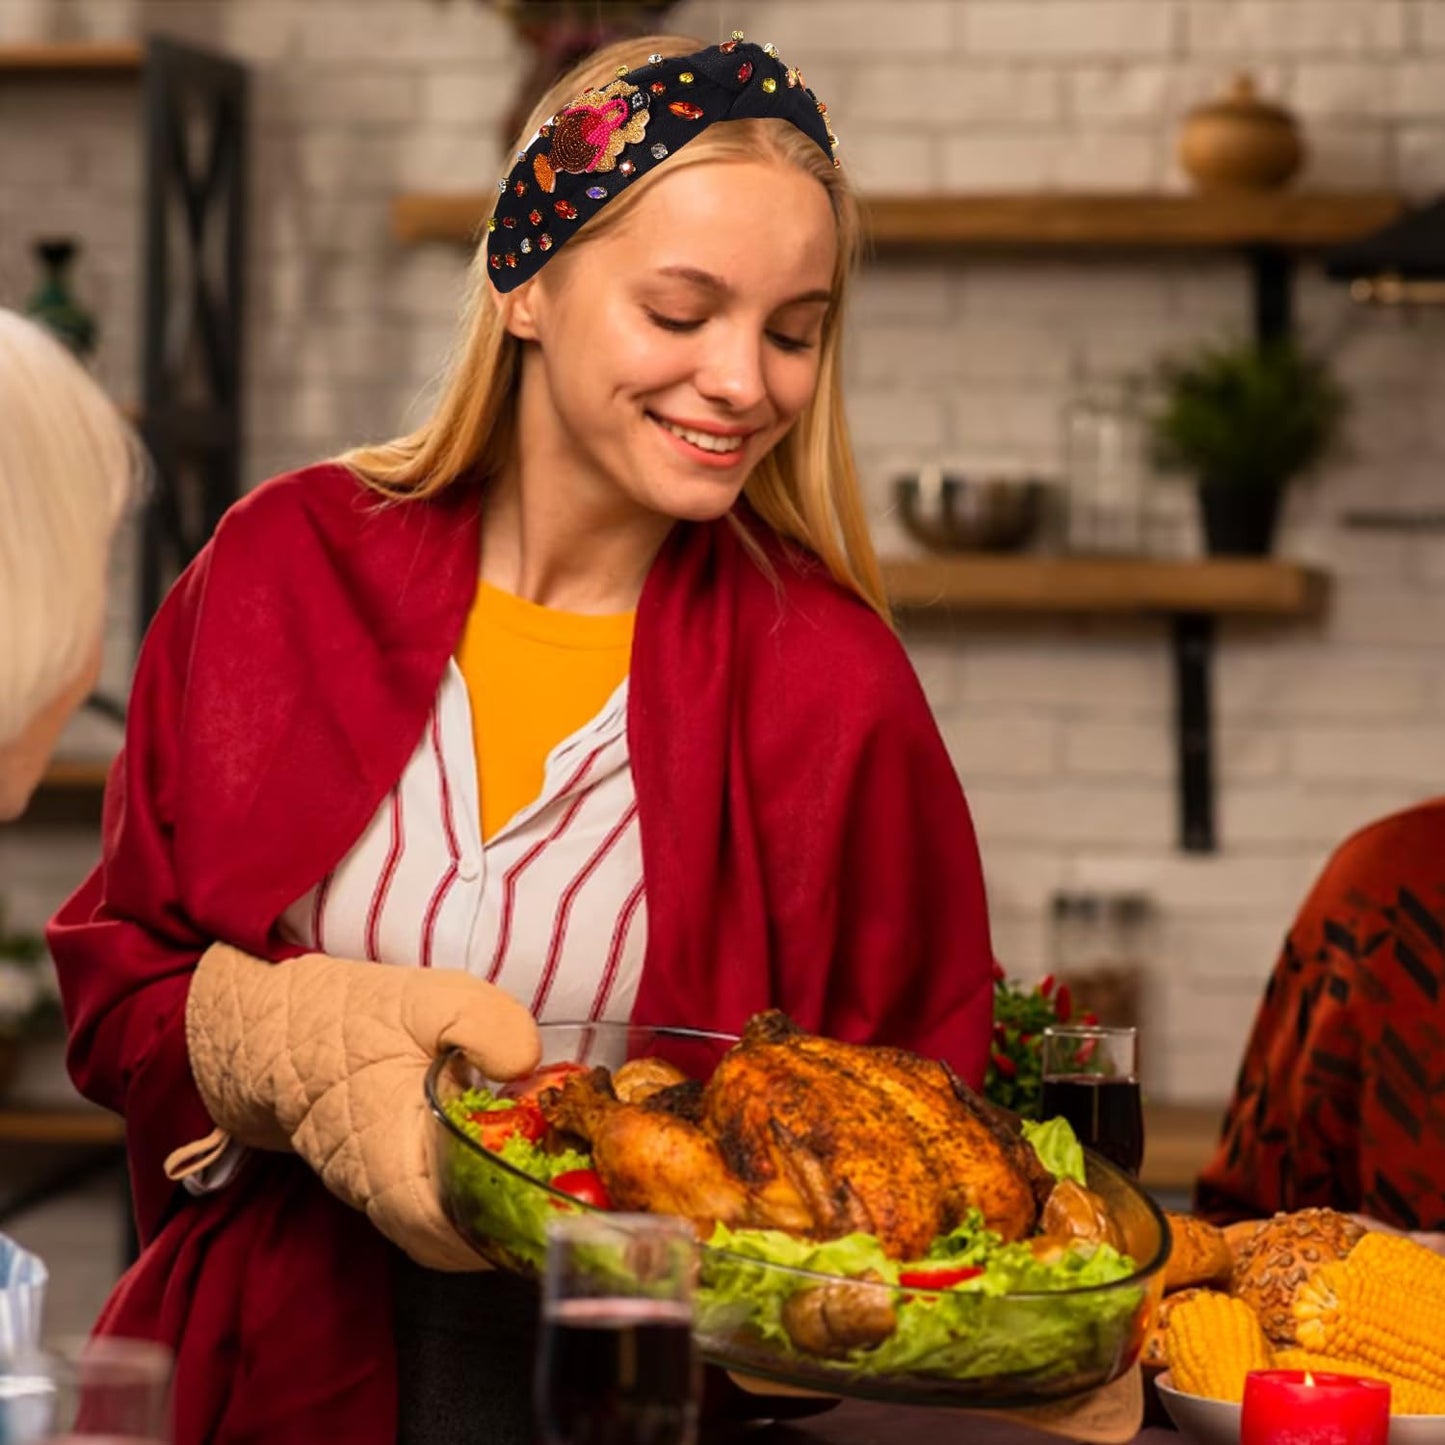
1216 1422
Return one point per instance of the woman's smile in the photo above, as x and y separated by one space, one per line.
710 446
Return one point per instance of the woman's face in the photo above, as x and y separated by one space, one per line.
23 759
675 350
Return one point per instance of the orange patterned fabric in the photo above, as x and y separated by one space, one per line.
1341 1097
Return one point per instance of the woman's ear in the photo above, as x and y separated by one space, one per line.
520 311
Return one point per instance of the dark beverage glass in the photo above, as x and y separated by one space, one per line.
616 1363
1091 1078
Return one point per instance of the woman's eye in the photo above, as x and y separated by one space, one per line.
789 343
672 323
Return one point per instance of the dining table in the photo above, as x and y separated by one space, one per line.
865 1422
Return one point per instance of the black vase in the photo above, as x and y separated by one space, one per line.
53 303
1239 521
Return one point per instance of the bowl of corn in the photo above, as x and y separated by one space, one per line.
1216 1422
1372 1311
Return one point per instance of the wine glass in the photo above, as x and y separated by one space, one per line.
1091 1078
107 1390
616 1364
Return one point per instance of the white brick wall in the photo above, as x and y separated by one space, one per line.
1061 731
1250 29
1068 29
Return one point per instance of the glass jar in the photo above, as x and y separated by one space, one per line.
1105 469
1099 945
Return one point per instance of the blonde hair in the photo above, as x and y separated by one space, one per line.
806 489
69 466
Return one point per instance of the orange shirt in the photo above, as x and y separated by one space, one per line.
534 676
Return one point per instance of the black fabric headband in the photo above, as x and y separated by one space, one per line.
592 149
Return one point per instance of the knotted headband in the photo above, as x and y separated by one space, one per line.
592 149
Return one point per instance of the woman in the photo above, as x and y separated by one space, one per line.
68 468
583 690
1338 1103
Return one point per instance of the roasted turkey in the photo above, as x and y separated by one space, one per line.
817 1138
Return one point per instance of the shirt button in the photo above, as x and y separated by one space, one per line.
468 869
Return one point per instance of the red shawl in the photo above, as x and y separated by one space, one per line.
805 845
1341 1098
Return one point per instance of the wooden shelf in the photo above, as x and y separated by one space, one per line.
76 775
1291 220
1192 595
121 58
71 794
1049 585
82 1124
418 217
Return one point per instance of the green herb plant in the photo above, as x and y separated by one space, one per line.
1246 414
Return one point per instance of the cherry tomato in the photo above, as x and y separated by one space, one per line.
531 1088
496 1126
944 1277
584 1185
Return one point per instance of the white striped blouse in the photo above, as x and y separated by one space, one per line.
550 908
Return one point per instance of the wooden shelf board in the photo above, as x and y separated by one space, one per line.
1294 220
1048 585
1286 219
418 216
76 774
82 1124
118 58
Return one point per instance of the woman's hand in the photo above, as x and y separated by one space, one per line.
327 1056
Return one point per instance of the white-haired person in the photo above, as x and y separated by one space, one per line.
579 702
69 466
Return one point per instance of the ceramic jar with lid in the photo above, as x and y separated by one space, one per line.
1240 142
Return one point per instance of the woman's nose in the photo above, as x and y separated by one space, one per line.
731 373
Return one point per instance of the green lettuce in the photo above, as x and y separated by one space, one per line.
497 1206
1058 1147
983 1328
742 1285
977 1329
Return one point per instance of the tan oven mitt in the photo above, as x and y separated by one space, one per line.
327 1056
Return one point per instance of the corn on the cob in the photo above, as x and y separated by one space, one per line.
1383 1305
1395 1256
1407 1397
1214 1341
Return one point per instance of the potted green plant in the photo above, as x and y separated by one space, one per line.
1245 419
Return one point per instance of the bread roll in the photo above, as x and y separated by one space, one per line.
1200 1255
1238 1234
1281 1255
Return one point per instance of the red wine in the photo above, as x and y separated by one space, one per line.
617 1372
1105 1113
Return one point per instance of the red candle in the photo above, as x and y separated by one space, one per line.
1298 1407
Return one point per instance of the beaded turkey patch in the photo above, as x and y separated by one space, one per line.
592 132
